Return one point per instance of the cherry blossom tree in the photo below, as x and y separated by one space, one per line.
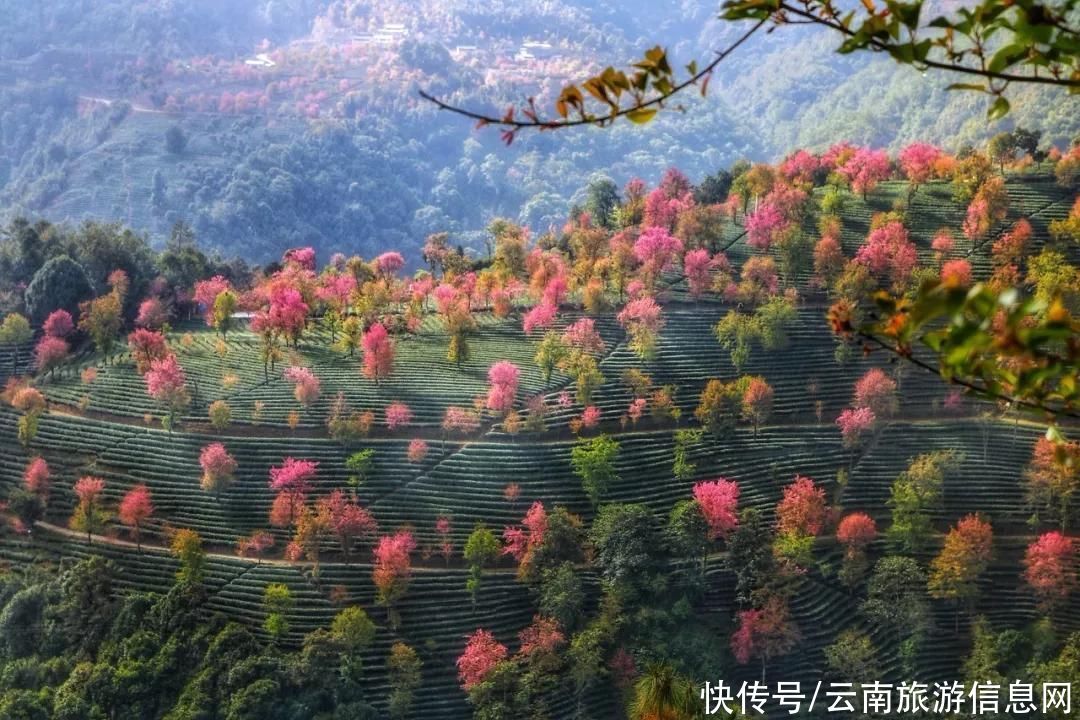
398 415
697 266
307 385
460 420
854 423
36 477
800 167
877 391
293 475
482 653
389 263
889 253
1053 478
656 249
543 636
287 312
167 385
346 519
89 516
152 314
865 169
583 336
503 378
765 633
1050 569
855 532
956 273
642 321
302 257
393 569
757 402
218 467
146 346
378 353
50 353
917 162
521 542
134 510
540 317
58 324
206 293
418 450
802 509
763 225
254 545
719 503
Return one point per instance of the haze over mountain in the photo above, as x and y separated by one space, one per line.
298 122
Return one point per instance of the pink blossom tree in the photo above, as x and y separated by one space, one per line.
307 385
854 423
877 391
398 415
503 377
134 510
643 321
889 252
152 314
482 653
956 273
145 346
540 317
389 263
719 503
1050 568
656 250
542 637
218 467
417 451
697 266
167 385
293 475
206 292
917 161
378 353
346 519
583 335
50 353
36 477
58 324
393 569
802 509
865 169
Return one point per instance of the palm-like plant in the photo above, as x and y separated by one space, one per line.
663 694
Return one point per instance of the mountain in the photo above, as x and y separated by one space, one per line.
298 122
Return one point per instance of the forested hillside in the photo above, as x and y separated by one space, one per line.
276 124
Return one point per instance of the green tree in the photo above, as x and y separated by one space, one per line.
15 332
277 603
593 461
626 545
915 495
482 548
403 667
59 284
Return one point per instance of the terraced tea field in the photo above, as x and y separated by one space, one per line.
110 428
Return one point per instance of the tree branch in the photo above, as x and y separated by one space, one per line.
508 121
881 46
979 390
